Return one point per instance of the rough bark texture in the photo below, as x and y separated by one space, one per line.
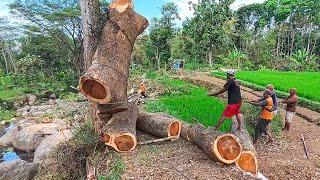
105 82
248 160
220 147
120 132
90 12
159 125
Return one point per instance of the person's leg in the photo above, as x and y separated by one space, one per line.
268 133
289 120
238 116
220 121
286 121
258 131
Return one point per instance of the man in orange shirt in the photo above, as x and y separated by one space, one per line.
266 115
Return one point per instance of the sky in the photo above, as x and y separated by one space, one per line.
150 8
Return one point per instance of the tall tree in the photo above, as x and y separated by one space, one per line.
162 31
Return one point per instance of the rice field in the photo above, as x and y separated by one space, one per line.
188 102
306 83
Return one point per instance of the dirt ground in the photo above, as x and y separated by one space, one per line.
283 159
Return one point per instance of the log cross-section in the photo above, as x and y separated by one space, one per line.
248 161
105 82
120 132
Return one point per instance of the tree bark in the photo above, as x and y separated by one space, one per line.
90 11
159 125
105 82
219 147
120 132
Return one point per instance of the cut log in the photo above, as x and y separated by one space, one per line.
159 125
120 132
220 147
105 82
248 160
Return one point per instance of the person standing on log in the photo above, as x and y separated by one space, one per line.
234 100
266 115
291 108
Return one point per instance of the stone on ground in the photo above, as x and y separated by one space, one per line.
18 169
29 138
49 144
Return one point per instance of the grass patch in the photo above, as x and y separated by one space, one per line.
188 102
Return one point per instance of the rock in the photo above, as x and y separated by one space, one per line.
24 110
31 99
29 138
49 144
53 96
59 122
18 170
8 138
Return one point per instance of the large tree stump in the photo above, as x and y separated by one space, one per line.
120 132
248 160
220 147
159 125
105 82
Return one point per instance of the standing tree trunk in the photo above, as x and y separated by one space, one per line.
90 11
105 82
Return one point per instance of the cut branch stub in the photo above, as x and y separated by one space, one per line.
105 82
248 160
120 132
220 147
121 5
159 125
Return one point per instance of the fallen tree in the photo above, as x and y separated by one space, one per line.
159 125
248 160
120 132
220 147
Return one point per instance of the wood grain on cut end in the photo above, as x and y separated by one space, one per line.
94 90
248 162
227 148
125 142
175 129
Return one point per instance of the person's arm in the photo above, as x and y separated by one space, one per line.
290 100
223 90
261 103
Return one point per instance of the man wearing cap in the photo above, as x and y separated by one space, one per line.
234 99
266 115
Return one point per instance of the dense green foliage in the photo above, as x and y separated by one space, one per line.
306 83
276 34
189 103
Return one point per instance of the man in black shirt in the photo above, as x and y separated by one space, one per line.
234 99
